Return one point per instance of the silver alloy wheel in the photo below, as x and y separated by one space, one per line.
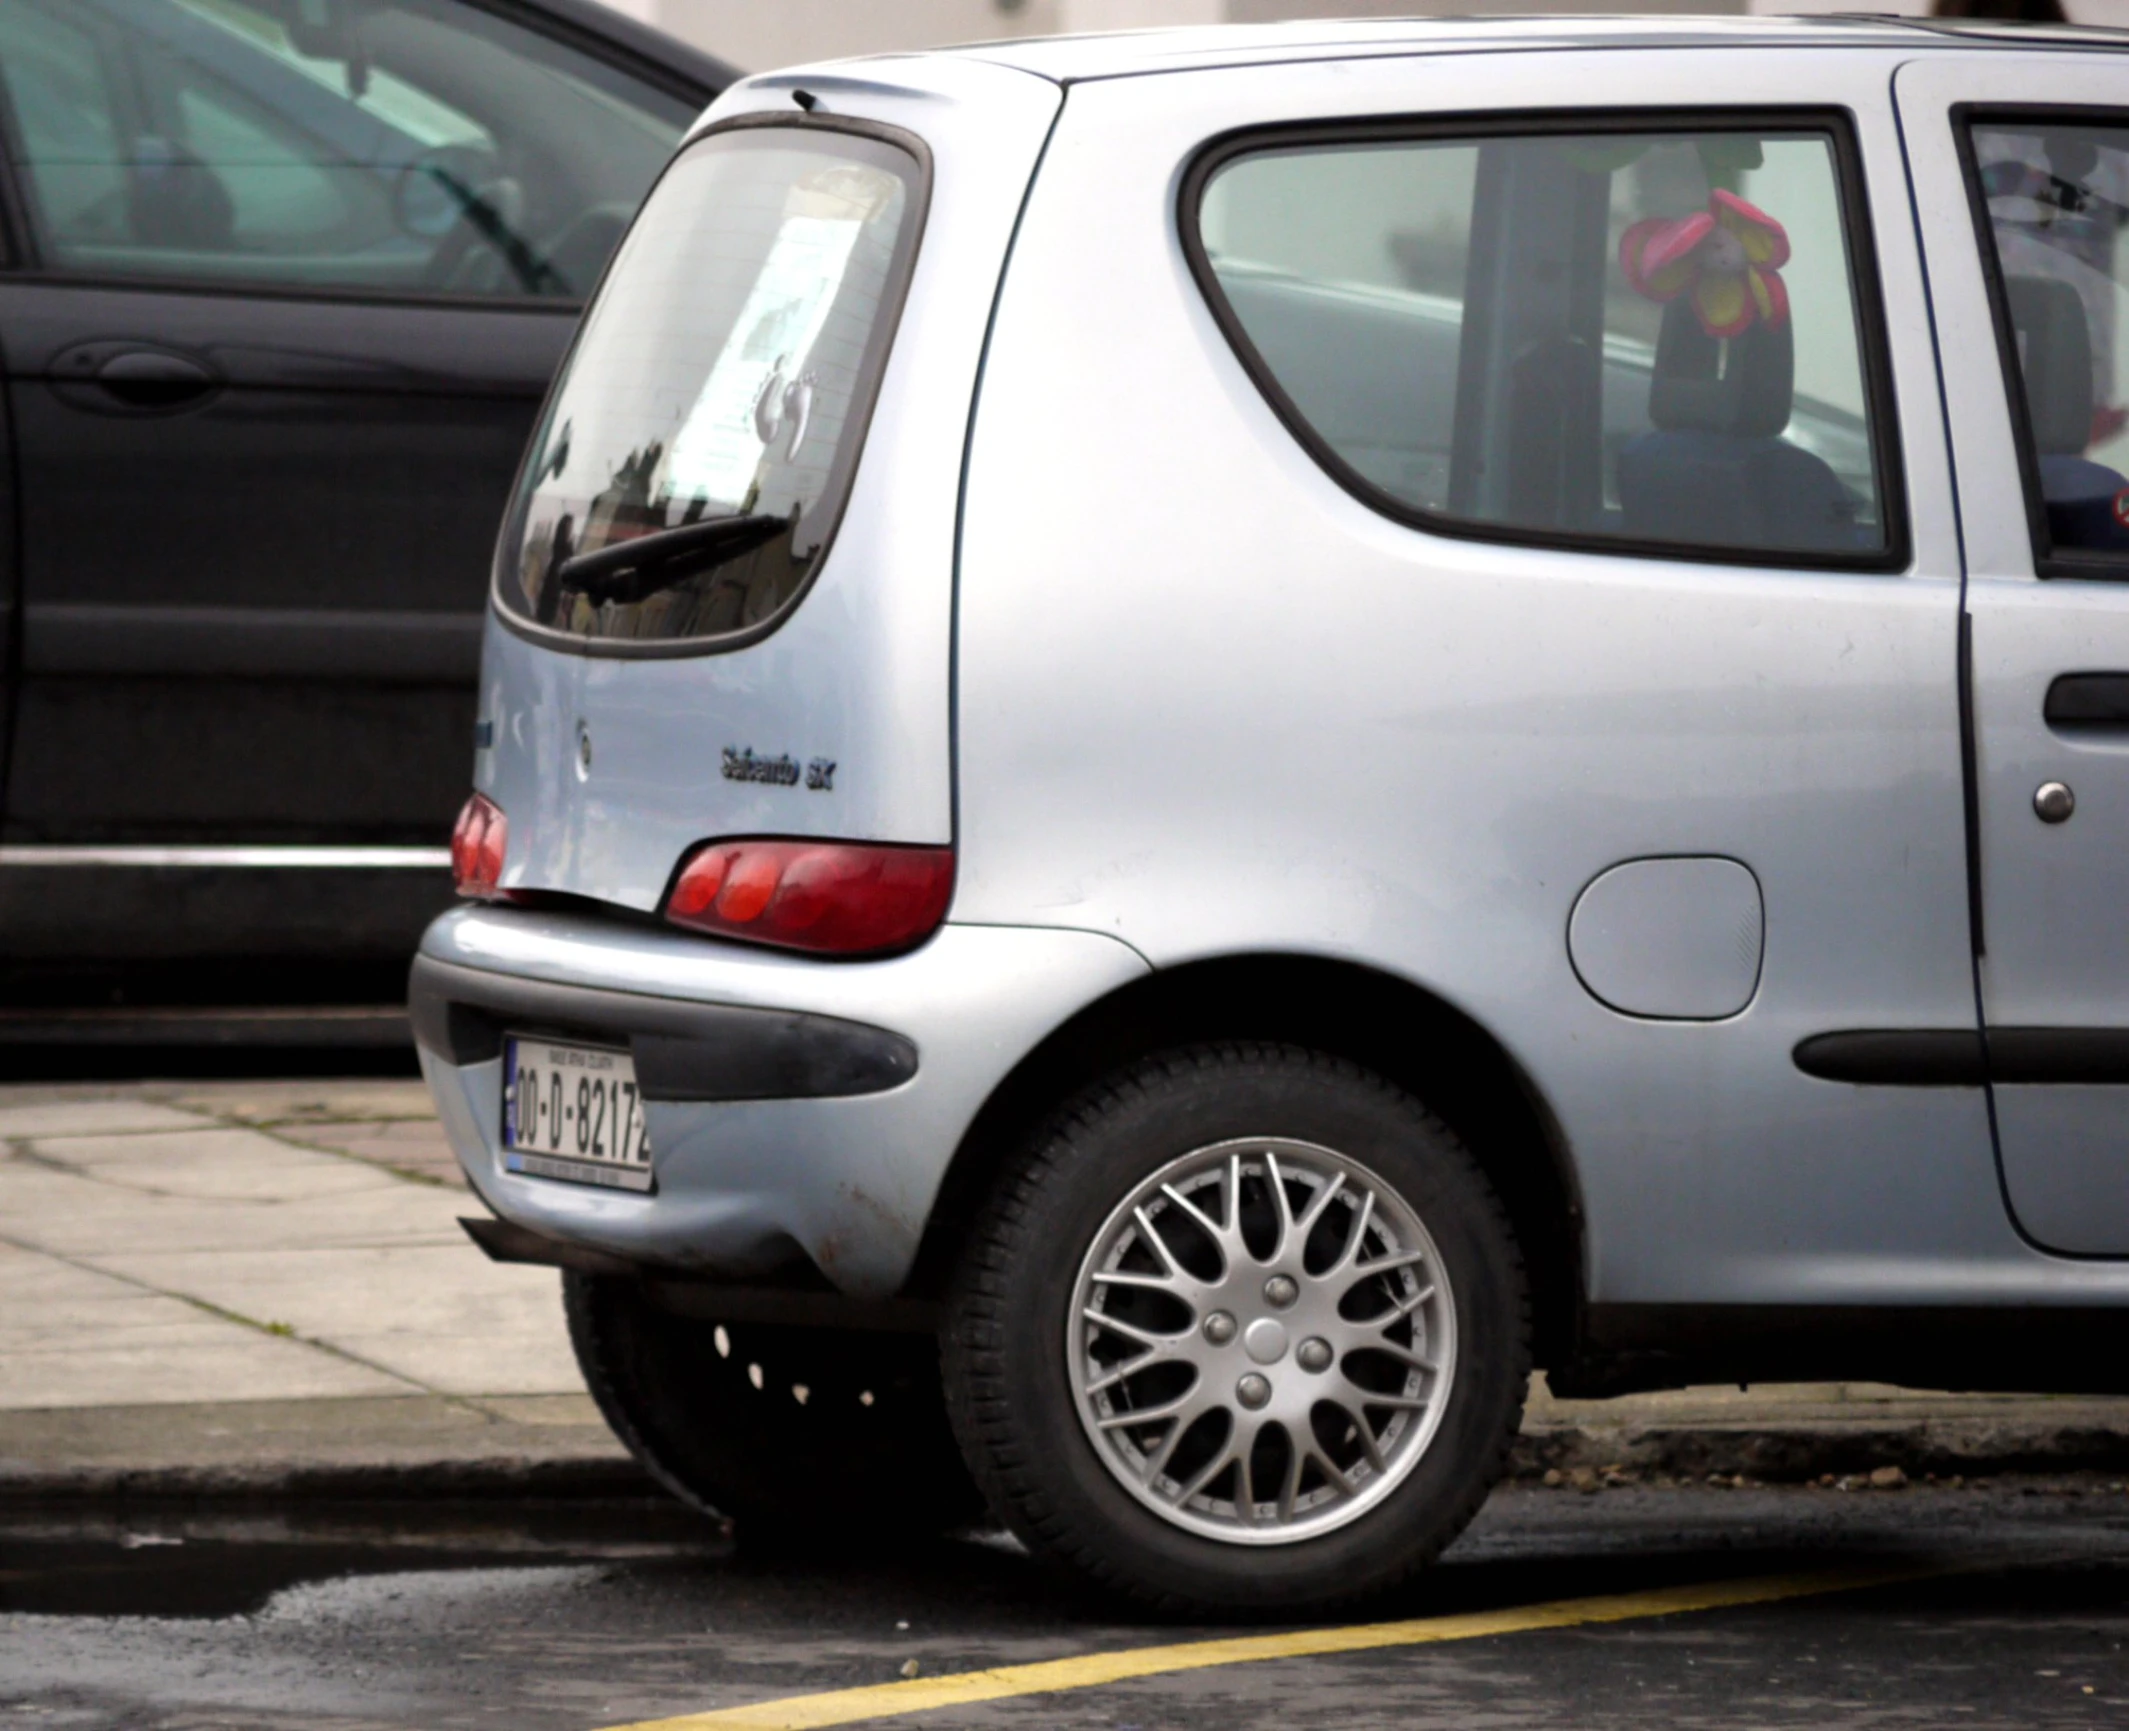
1261 1341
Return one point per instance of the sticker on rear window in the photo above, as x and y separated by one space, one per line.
758 389
692 465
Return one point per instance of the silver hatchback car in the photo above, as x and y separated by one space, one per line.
1192 743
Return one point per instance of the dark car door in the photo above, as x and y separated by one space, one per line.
296 275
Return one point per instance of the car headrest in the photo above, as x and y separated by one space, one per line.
1704 384
2055 354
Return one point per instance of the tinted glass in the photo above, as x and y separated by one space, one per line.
2056 198
1652 338
701 442
398 145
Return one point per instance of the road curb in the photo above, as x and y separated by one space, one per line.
1973 1448
1777 1454
525 1478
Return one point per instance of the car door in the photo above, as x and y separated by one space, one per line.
2021 169
295 279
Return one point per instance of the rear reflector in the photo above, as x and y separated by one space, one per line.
834 898
478 842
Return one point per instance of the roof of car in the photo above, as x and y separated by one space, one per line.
1069 59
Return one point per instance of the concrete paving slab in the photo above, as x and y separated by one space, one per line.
306 1101
163 1255
217 1164
215 1360
96 1117
32 1285
47 1305
406 1147
76 1216
126 1321
89 1314
403 1444
442 1317
73 1337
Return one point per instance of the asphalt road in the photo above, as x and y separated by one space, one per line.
587 1617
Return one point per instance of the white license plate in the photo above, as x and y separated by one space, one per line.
573 1112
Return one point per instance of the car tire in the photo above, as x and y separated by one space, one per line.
807 1435
1040 1389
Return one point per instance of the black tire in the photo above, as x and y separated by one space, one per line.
866 1455
1009 1387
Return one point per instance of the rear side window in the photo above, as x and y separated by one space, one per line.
700 444
1647 339
2053 195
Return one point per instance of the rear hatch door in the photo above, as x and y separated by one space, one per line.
724 594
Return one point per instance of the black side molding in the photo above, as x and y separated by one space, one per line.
1895 1057
2022 1348
684 1051
2059 1054
1956 1058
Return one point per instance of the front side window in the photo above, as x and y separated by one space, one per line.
1645 338
697 451
2054 197
412 146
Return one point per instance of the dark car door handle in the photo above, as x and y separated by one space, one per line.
2087 702
155 379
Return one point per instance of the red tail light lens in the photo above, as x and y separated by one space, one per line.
835 898
479 840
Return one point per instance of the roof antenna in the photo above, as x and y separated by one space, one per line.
806 100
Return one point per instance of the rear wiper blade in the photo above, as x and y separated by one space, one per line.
622 570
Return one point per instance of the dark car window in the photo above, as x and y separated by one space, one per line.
703 435
1648 339
413 146
2055 197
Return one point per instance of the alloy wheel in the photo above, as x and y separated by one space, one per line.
1261 1341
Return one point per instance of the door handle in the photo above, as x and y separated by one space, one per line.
156 379
2087 703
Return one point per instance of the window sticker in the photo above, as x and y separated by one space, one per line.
721 386
757 392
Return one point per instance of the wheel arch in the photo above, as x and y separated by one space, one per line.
1386 1024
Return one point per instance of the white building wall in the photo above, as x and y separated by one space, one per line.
758 34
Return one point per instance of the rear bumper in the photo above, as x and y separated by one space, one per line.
795 1108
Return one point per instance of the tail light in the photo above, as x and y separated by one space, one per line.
835 898
478 842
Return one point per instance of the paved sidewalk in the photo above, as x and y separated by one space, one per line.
228 1282
263 1286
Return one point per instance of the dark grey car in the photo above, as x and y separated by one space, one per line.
284 282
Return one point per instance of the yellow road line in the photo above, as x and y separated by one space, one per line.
962 1688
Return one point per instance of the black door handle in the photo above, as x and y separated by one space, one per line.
155 379
2087 702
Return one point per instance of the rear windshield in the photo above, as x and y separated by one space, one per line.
697 451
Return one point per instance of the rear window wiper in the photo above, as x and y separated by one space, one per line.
633 569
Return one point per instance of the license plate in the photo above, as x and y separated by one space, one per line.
573 1112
